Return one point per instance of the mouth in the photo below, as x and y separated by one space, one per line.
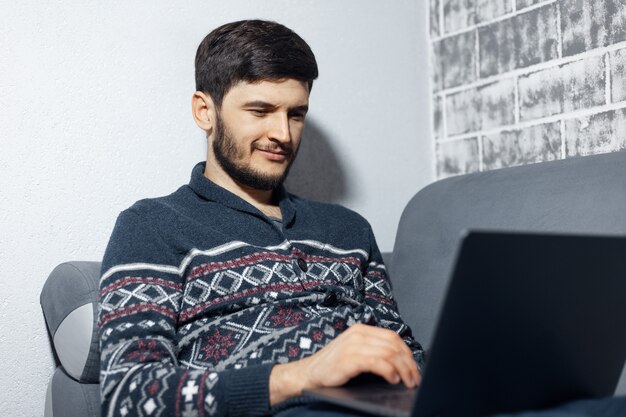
274 153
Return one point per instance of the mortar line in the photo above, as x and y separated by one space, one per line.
548 119
608 82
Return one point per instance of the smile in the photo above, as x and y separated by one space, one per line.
274 155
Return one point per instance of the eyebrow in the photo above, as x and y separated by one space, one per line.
263 104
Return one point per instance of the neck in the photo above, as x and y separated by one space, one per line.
261 199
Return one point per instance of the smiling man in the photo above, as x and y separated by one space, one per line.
231 296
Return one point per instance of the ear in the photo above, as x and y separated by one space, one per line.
203 111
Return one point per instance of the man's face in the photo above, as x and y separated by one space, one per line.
258 130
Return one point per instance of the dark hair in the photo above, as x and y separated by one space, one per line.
251 50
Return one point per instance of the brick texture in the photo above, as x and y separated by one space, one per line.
490 9
481 108
528 80
497 104
584 25
437 117
565 88
523 40
457 57
518 147
589 25
526 3
464 111
436 55
457 157
600 133
434 18
458 14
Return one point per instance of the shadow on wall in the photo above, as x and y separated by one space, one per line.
317 173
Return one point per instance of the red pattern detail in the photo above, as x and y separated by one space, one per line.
317 336
379 298
210 267
153 388
218 345
339 325
312 258
179 389
139 280
137 308
200 396
145 352
293 351
376 274
287 317
192 311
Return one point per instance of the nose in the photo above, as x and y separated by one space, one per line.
279 128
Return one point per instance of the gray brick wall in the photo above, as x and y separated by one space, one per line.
525 81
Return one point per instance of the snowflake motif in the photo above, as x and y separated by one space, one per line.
218 345
293 351
286 317
317 335
145 352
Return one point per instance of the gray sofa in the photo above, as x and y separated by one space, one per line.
585 194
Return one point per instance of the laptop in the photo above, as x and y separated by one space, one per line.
529 321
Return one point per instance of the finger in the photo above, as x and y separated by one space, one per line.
378 365
403 355
369 357
408 370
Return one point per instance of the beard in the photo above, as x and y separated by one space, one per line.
229 156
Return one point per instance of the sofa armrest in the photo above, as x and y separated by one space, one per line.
69 300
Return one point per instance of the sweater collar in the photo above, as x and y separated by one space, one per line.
209 190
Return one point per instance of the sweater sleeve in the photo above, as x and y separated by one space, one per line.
140 296
379 296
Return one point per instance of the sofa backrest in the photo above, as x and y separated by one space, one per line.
586 194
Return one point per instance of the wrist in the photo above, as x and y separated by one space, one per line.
287 381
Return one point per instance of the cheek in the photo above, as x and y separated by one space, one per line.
296 129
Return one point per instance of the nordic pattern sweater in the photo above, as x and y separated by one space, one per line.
201 294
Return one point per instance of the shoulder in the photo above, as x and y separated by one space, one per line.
157 210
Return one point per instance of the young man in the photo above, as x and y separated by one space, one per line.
231 295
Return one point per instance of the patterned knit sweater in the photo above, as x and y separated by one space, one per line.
201 294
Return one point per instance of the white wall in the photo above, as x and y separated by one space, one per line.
95 114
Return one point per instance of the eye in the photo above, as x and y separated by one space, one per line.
258 112
299 116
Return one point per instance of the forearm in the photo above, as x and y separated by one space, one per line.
172 390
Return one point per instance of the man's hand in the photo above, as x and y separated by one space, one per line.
359 349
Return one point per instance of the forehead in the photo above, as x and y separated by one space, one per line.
280 93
